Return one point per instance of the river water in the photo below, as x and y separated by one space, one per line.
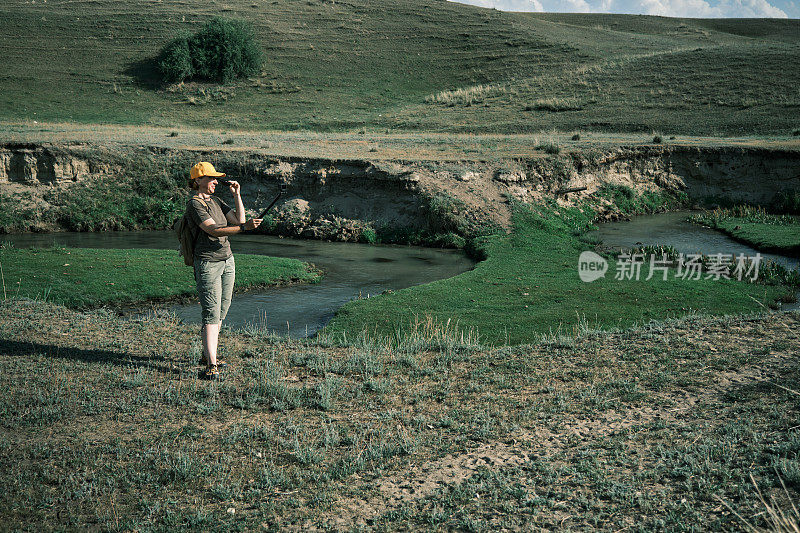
350 271
672 229
360 270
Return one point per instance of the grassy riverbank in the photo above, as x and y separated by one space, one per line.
82 277
529 286
105 426
754 226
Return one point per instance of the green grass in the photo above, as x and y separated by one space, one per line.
106 425
756 227
405 65
529 286
82 277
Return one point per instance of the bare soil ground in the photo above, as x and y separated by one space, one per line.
369 145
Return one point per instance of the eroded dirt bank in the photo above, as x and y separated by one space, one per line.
342 199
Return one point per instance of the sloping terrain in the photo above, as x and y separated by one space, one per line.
366 65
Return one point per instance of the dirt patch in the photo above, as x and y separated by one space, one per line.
420 481
423 480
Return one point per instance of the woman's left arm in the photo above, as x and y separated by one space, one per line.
236 215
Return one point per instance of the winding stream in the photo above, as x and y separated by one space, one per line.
359 270
351 270
672 229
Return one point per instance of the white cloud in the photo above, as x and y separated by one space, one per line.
751 8
507 5
666 8
568 6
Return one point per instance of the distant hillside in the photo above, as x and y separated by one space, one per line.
425 65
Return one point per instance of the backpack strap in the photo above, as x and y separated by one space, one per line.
208 208
204 202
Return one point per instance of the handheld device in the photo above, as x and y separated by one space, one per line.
265 211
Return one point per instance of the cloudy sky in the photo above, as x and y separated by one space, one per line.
667 8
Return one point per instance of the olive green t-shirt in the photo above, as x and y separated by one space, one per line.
207 247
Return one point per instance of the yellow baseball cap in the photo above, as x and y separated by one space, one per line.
203 169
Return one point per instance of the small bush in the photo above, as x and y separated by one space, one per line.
629 202
368 236
576 137
445 214
467 96
447 240
787 202
554 105
796 132
175 61
657 139
549 148
221 51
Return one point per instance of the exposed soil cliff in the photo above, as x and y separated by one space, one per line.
32 164
730 174
345 199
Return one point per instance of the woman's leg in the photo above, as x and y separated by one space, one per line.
228 278
210 342
209 287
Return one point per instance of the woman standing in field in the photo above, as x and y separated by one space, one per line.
214 266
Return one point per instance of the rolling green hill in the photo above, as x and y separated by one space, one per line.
405 65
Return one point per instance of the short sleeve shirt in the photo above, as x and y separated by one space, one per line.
208 247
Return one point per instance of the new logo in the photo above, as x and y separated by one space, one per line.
591 266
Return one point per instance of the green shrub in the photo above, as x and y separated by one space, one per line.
445 214
368 236
143 196
629 202
221 51
224 49
549 148
389 234
657 139
787 202
175 61
447 240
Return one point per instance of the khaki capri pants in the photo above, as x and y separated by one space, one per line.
215 287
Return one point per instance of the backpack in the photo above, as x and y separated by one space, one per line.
187 232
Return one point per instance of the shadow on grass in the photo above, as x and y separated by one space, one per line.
23 348
145 73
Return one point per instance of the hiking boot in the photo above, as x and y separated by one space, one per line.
210 373
220 362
